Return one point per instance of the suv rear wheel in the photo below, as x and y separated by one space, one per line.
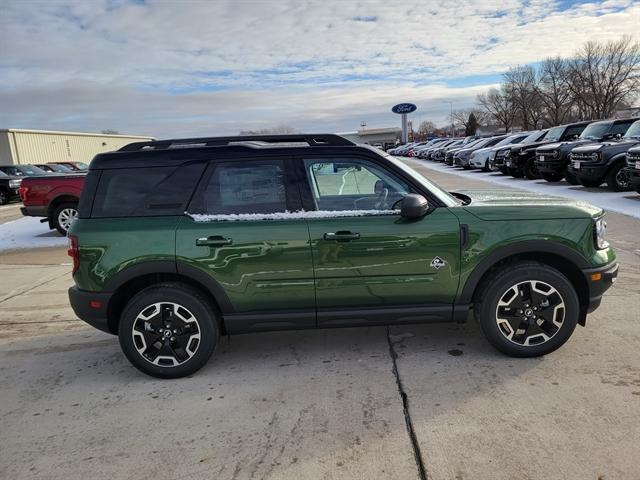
63 215
168 330
527 310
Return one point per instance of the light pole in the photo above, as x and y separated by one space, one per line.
451 110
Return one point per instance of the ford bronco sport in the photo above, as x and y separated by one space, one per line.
178 242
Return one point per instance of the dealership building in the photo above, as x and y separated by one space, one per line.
374 136
42 146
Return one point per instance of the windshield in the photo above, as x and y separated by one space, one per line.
634 131
509 140
59 168
2 174
444 196
555 134
81 165
595 131
535 136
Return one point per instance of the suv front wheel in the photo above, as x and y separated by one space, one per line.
168 330
527 310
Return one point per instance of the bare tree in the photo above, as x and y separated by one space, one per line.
426 126
109 132
521 85
498 105
462 117
605 76
553 91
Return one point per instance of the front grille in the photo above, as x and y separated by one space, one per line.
547 156
633 159
583 157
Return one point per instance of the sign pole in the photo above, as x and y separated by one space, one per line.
405 133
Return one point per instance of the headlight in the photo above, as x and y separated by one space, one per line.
600 231
595 156
556 153
15 183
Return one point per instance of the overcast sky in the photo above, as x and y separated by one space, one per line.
215 67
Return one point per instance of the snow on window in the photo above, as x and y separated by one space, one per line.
286 215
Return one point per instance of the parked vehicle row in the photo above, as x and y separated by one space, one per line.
588 153
13 175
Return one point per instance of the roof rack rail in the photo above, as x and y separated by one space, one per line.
319 140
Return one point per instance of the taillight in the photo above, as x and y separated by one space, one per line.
74 253
23 192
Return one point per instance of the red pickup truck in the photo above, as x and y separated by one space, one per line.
53 197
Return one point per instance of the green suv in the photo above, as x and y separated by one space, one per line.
178 242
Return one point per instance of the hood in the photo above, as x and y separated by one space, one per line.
510 205
605 146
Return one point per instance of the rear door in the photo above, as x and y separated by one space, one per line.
372 265
240 233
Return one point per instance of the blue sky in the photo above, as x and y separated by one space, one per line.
198 67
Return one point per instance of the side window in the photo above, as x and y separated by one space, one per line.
145 192
620 128
247 187
353 184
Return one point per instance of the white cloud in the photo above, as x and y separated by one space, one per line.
205 67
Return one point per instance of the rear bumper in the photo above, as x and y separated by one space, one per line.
91 307
599 281
34 211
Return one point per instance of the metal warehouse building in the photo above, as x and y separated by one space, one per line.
42 146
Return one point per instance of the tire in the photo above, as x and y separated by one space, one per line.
617 180
486 167
589 183
551 177
637 188
523 336
4 196
516 172
63 215
530 170
191 318
503 170
571 178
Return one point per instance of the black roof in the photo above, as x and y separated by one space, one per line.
176 151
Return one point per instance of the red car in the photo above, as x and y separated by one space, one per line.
54 197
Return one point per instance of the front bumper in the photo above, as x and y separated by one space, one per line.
599 280
91 307
551 166
588 170
34 211
634 175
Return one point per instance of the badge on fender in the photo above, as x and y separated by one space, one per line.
437 263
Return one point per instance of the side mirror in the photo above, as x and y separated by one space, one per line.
414 206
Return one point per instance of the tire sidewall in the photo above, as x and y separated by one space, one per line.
4 197
499 286
56 214
196 304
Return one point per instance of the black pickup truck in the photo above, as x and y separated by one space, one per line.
633 168
552 160
519 160
9 186
595 163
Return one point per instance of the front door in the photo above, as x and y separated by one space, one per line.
372 265
238 233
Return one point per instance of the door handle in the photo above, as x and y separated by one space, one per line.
341 236
213 241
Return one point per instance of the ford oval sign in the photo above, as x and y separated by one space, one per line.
404 108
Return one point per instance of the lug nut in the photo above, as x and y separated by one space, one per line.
173 339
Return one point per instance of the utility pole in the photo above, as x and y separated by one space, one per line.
451 106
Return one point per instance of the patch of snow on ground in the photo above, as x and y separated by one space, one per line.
627 203
28 232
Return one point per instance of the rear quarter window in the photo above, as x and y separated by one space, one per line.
145 192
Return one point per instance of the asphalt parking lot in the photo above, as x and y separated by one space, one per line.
345 403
